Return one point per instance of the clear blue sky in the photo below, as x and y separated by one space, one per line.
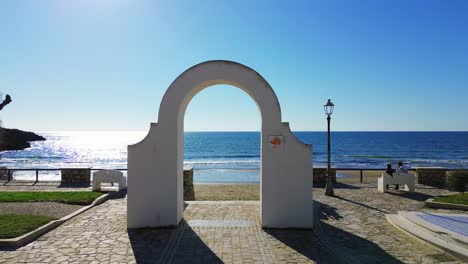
105 65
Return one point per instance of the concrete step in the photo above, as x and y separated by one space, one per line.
459 239
441 240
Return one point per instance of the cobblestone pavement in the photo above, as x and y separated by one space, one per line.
354 223
350 228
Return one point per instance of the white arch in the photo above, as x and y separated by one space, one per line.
206 74
155 165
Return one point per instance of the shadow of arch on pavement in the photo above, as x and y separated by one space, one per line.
170 245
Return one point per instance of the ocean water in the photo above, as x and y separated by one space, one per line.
232 157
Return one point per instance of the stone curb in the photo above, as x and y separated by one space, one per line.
427 236
431 203
388 217
224 202
29 237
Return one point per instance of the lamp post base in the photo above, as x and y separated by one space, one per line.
329 186
329 182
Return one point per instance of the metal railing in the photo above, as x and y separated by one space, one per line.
366 169
37 170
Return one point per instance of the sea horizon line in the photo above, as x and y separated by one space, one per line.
257 131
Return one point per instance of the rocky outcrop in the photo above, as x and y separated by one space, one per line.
6 101
15 139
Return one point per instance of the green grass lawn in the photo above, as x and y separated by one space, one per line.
455 199
16 225
80 198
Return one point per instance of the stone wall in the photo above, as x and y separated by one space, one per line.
432 176
320 174
76 176
3 173
189 193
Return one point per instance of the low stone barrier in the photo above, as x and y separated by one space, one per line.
432 176
189 193
440 205
76 176
320 173
3 173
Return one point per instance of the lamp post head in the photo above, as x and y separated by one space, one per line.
328 107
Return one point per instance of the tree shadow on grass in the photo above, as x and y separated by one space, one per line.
170 245
329 244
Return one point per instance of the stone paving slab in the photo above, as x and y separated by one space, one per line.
100 235
349 229
221 223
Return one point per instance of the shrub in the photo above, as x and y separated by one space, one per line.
457 180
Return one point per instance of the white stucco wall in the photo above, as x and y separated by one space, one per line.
155 165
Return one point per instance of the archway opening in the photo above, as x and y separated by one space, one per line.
222 141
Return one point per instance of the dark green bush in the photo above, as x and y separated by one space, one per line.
457 180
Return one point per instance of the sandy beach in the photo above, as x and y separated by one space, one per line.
251 191
227 192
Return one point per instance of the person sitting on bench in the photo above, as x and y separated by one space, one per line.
390 172
402 168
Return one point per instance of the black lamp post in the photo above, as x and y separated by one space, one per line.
328 107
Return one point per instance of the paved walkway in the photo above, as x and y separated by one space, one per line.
350 228
354 223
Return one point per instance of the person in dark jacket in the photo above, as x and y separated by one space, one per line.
390 172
